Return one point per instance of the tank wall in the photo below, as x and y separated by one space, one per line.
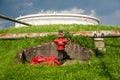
57 19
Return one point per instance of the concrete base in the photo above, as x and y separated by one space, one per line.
99 43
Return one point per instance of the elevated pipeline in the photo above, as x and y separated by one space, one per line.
93 34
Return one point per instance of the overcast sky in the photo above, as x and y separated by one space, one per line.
108 11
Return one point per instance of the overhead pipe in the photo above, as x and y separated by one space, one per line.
93 34
99 34
13 20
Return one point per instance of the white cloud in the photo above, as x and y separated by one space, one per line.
93 13
23 6
28 4
73 10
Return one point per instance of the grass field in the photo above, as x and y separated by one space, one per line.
55 28
101 66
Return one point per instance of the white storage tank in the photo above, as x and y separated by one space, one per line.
57 18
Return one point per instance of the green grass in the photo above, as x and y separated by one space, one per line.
101 66
55 28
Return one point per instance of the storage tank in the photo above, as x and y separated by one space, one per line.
58 18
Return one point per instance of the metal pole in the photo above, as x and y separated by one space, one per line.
13 20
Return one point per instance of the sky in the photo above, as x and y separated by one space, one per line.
108 11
